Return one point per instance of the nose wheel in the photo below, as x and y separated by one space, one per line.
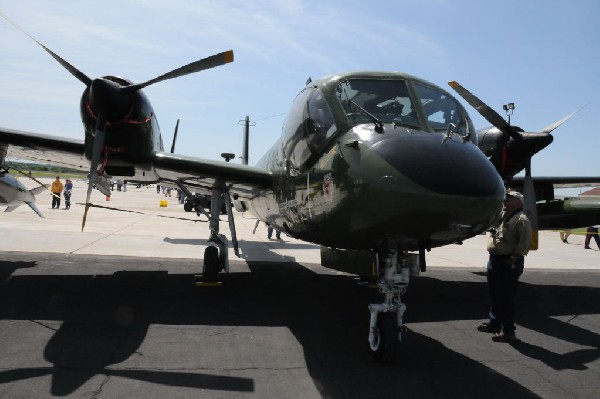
386 324
385 338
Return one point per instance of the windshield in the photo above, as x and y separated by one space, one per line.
440 110
386 100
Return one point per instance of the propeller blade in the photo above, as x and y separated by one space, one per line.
488 113
553 126
96 153
196 66
74 71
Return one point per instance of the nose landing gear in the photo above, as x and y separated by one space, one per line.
386 324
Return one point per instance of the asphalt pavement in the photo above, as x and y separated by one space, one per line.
112 312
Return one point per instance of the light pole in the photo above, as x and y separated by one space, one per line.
509 109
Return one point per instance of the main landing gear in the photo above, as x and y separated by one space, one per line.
216 258
386 326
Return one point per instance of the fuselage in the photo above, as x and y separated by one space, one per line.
403 174
365 159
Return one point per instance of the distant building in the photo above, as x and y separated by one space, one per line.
593 193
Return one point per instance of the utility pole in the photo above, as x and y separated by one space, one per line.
246 142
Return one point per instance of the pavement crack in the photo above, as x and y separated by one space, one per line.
229 330
100 388
44 325
104 236
572 318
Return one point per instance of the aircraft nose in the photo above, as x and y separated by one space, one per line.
429 190
441 165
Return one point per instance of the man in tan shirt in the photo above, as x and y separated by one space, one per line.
507 245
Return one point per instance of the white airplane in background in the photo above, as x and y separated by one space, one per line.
13 193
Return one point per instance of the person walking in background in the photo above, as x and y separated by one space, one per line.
564 235
270 233
67 193
592 231
56 191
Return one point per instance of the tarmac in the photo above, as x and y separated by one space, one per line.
110 311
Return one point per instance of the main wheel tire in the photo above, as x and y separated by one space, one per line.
210 269
383 349
187 206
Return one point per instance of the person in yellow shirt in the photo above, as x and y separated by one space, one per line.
507 245
56 191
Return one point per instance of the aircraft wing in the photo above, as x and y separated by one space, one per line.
45 149
202 174
562 181
563 213
195 173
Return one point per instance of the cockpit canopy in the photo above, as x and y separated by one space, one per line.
390 100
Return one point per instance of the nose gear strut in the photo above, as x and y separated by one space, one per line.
386 323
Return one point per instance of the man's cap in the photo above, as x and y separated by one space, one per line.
516 194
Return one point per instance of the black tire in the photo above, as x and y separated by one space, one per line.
210 269
187 206
386 337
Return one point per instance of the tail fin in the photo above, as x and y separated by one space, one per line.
37 190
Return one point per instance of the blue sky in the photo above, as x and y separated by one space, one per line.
541 55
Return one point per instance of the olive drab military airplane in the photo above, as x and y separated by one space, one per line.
377 168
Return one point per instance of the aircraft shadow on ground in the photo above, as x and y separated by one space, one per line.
283 244
247 247
539 309
8 268
105 319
